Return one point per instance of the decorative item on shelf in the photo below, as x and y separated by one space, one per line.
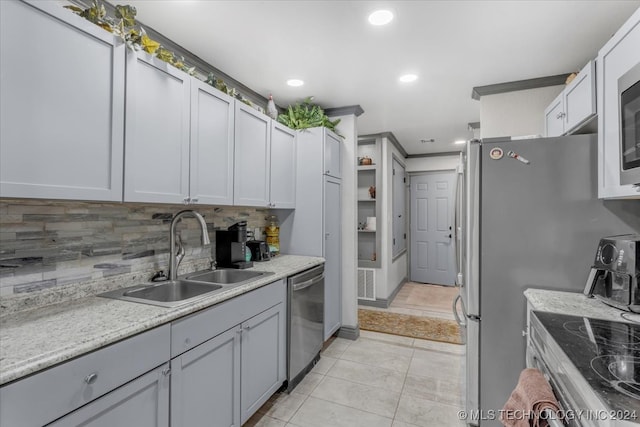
371 223
365 161
272 111
372 191
305 115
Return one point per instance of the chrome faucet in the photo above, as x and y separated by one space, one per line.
175 256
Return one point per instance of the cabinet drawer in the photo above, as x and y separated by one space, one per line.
202 326
46 396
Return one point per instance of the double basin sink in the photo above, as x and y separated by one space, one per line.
172 293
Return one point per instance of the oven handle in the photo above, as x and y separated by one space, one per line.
552 419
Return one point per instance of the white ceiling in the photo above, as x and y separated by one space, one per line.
451 45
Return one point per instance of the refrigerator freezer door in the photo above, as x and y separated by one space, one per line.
470 286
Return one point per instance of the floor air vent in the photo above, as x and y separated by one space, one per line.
366 284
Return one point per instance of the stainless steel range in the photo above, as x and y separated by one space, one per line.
593 366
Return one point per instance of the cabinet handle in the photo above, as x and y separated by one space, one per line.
166 371
91 378
327 172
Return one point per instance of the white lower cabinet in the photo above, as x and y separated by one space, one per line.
205 383
144 402
235 359
262 362
97 386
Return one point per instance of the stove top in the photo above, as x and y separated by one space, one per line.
606 353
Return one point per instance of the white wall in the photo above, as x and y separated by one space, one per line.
435 163
348 128
390 273
515 113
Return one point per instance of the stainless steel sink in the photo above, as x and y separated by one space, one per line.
226 276
192 287
165 294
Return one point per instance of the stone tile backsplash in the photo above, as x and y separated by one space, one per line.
45 244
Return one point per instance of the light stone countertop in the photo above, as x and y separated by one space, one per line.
575 304
37 339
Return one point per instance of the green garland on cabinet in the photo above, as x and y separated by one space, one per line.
124 26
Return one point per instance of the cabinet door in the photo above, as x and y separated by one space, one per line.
211 166
580 98
283 167
333 257
263 358
157 131
205 383
554 117
62 105
144 402
252 157
617 57
332 155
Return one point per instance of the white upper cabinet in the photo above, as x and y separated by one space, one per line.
554 117
212 142
61 105
332 156
580 98
574 106
157 131
618 56
283 167
252 157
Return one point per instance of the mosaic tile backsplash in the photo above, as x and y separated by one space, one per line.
46 244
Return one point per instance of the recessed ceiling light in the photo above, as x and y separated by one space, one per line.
408 78
460 141
380 17
295 82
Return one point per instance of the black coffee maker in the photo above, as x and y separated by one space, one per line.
231 246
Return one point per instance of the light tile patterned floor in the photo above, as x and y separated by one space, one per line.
378 380
424 300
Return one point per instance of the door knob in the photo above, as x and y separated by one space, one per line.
449 235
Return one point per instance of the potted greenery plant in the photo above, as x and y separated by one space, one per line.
305 115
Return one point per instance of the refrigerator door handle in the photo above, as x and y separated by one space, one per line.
455 311
458 221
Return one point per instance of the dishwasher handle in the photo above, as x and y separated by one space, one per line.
308 283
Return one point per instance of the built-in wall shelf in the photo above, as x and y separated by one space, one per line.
369 180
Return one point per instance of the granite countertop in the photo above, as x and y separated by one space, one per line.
38 339
575 304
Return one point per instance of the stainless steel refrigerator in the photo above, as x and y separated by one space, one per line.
527 216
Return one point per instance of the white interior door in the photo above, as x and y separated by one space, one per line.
432 238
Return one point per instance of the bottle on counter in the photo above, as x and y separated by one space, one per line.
273 234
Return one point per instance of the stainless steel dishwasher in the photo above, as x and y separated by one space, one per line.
305 323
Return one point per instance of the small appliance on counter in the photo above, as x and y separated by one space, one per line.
616 271
231 246
259 250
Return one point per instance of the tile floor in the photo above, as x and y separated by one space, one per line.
378 380
423 300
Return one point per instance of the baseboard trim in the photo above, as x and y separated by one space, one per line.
349 332
384 302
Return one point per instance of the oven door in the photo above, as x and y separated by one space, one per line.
629 98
